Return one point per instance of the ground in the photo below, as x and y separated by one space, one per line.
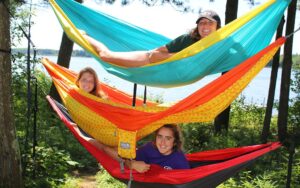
87 181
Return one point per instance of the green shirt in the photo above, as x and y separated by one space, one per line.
180 43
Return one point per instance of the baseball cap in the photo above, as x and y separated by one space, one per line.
211 15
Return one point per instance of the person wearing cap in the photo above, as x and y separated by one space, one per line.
207 22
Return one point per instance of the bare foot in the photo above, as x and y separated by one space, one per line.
73 124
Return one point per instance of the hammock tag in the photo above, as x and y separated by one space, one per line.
127 144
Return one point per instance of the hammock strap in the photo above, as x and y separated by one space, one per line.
130 179
134 94
122 169
289 35
145 96
122 166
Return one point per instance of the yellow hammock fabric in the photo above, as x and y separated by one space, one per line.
118 124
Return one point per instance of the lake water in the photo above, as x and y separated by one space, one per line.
256 92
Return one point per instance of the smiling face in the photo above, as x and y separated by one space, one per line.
87 82
206 27
164 140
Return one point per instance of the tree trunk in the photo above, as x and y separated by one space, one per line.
64 57
275 64
222 120
290 163
10 162
286 74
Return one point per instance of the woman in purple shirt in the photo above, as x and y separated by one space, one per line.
165 151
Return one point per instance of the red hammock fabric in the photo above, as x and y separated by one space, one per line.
225 162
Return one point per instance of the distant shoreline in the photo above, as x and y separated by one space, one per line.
82 53
51 52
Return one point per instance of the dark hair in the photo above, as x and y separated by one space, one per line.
211 15
176 133
195 34
96 81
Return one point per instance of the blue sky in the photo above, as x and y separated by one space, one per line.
46 33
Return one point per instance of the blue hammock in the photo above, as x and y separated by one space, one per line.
219 52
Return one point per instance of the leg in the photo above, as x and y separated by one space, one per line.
111 151
128 59
98 46
107 149
139 166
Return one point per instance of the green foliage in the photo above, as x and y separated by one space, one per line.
57 148
70 183
271 173
104 179
294 110
50 165
246 114
245 125
296 62
261 181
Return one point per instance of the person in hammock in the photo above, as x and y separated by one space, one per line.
208 22
165 150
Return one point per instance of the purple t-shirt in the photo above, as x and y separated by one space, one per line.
150 155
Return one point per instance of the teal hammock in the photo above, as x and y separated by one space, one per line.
245 39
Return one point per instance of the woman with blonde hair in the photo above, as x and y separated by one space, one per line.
88 81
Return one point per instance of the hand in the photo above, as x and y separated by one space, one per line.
140 166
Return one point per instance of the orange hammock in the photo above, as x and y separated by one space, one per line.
116 123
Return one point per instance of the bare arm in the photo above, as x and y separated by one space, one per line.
139 166
159 54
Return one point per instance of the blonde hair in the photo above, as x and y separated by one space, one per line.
96 89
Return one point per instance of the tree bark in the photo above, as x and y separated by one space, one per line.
222 120
64 57
286 74
290 163
275 64
10 161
